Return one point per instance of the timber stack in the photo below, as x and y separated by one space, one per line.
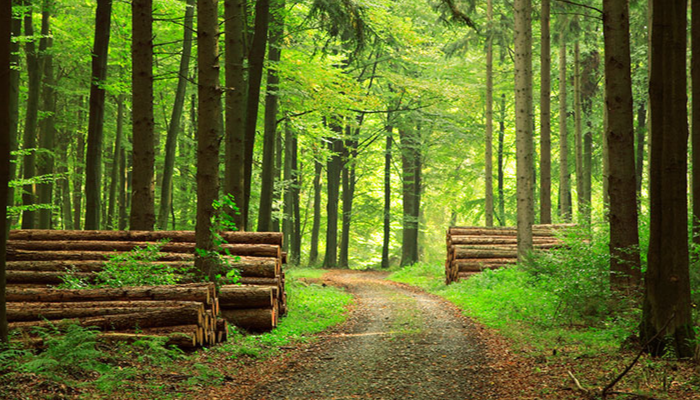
472 249
40 258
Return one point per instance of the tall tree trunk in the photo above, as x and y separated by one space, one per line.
48 133
93 166
387 194
564 183
234 12
695 134
256 60
316 227
267 188
34 72
333 167
116 164
410 161
66 206
287 225
279 193
16 31
641 135
143 154
5 133
123 189
625 271
79 168
666 314
208 131
349 177
524 124
166 191
545 128
578 135
295 245
501 186
488 142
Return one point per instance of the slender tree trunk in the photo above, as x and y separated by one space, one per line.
123 189
93 166
66 205
234 12
488 142
316 228
279 192
79 168
295 245
116 164
333 167
349 176
387 194
34 73
545 128
564 183
578 136
667 303
606 160
501 138
641 135
410 160
256 60
287 225
16 31
208 131
48 133
5 133
625 271
524 124
166 191
267 188
143 153
695 112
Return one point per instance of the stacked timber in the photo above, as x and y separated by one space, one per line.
186 315
472 249
40 258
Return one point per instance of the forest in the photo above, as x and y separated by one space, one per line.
359 132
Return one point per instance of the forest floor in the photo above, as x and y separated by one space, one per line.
399 343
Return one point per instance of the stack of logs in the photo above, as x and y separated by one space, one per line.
186 315
471 249
39 258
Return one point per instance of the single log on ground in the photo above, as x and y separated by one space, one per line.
44 277
257 267
233 296
462 252
252 320
201 292
496 240
160 318
259 281
19 314
144 236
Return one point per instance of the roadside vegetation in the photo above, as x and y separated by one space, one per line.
76 365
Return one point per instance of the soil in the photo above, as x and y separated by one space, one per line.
398 343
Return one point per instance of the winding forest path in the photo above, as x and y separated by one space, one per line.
399 343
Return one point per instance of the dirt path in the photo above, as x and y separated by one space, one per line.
398 344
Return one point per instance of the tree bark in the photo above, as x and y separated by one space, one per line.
48 131
208 134
349 178
295 192
695 112
316 228
256 60
116 163
6 107
666 314
545 128
564 183
333 167
641 138
235 105
501 139
387 194
578 134
143 153
488 142
166 191
524 124
411 163
79 168
625 269
267 187
93 166
13 99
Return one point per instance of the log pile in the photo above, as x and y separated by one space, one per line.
186 315
40 258
472 249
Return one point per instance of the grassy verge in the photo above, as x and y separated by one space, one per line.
76 366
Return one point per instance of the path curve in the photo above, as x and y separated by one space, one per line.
398 343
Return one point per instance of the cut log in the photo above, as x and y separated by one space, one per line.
496 240
43 277
144 236
252 320
462 252
36 255
20 314
260 281
57 266
201 292
537 230
221 330
160 318
233 296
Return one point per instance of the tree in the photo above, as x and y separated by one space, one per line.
116 164
16 31
545 129
667 317
5 128
387 193
695 112
578 133
143 154
564 183
411 165
316 227
523 124
624 236
234 183
208 132
93 161
166 191
333 167
488 142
